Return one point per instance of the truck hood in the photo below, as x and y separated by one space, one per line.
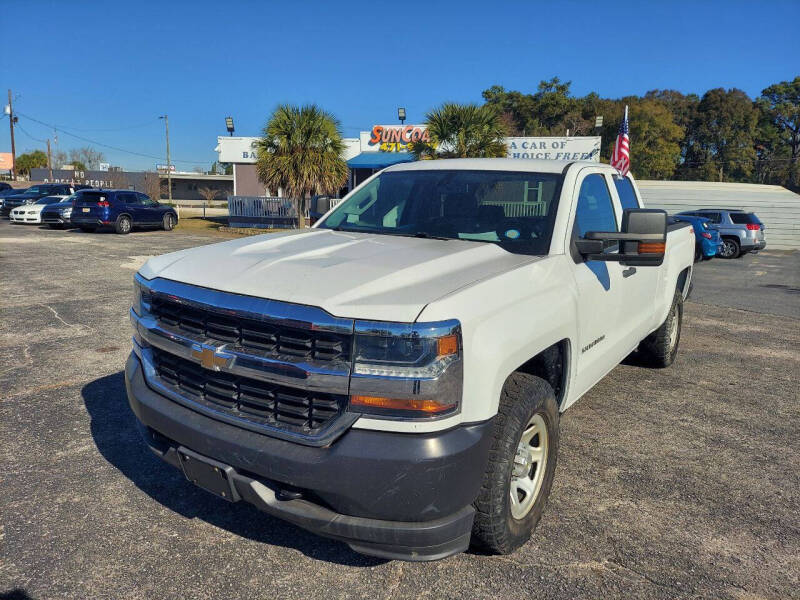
353 275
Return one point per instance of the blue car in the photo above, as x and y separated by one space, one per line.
707 240
121 210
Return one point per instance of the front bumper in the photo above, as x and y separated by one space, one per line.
393 495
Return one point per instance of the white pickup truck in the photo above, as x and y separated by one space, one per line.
393 377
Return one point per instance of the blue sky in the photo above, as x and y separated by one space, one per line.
106 70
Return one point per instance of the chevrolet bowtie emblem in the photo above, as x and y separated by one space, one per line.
209 358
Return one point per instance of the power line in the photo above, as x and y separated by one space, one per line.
95 142
22 129
150 122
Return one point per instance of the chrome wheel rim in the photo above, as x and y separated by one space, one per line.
125 225
530 463
727 248
169 222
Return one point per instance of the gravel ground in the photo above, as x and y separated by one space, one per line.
682 482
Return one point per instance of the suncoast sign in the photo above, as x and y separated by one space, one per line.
393 138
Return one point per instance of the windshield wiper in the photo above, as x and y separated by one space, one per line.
427 236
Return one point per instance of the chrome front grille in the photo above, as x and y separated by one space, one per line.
259 336
250 399
273 367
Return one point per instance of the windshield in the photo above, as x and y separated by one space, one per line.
514 210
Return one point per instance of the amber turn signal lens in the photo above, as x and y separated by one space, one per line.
652 247
430 407
447 345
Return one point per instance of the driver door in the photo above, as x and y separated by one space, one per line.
601 345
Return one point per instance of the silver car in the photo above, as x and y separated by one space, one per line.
741 231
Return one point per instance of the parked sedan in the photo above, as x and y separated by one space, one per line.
32 213
121 209
708 243
57 216
32 194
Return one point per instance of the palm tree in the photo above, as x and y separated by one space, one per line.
462 131
301 152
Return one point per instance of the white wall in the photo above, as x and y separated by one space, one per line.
777 207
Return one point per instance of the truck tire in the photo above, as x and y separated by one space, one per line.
123 225
519 465
730 248
659 349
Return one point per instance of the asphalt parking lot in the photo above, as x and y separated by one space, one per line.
683 482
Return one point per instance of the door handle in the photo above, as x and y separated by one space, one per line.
629 271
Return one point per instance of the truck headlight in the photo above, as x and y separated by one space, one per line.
403 370
141 296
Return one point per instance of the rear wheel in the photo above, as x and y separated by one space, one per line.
123 224
730 248
87 228
169 222
698 253
521 466
660 347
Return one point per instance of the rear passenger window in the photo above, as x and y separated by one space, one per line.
743 218
595 211
627 197
128 198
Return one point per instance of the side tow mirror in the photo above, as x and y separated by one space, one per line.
643 239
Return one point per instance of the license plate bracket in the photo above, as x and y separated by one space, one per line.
209 474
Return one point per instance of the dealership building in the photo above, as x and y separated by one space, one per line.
386 145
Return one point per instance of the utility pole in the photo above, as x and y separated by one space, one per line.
49 161
13 149
169 165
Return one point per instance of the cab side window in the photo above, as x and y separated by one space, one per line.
595 210
627 197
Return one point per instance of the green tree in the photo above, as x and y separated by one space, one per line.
684 113
780 104
655 140
550 111
462 131
724 131
79 166
30 160
301 152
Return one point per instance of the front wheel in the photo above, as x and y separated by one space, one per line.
521 466
169 222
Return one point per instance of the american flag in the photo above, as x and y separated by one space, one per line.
621 155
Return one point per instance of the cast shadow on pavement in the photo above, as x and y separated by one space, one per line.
116 436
